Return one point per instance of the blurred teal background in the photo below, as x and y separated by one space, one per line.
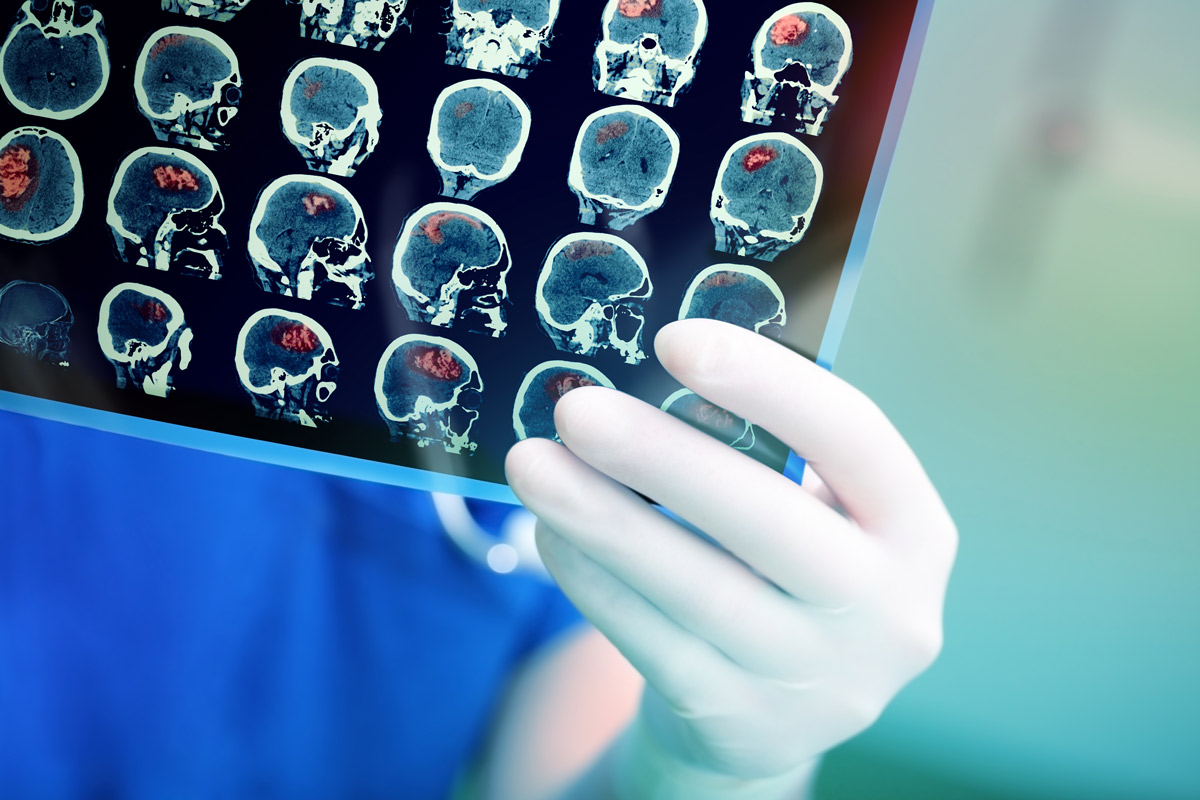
1029 316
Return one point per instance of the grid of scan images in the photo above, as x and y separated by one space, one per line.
402 230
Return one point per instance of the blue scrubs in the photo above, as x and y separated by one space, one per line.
175 624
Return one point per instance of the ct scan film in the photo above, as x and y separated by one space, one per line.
383 238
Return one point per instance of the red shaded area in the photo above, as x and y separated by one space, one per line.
434 362
295 337
759 157
559 384
462 109
790 31
18 176
714 417
613 130
649 9
578 251
720 279
167 42
312 88
175 179
152 311
431 226
316 204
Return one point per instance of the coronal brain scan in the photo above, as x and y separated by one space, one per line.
330 112
164 212
450 269
590 296
477 136
143 334
366 24
542 388
308 239
712 419
504 37
35 321
54 62
215 10
649 49
737 294
765 195
41 185
429 391
287 364
188 85
624 161
799 57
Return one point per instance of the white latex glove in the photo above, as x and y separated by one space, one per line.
818 606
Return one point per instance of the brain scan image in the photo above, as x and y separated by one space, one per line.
450 269
54 62
623 165
330 112
35 321
287 364
144 336
765 194
41 186
649 49
164 212
590 296
214 10
366 24
799 57
504 37
542 388
712 419
308 239
477 136
737 294
188 85
428 390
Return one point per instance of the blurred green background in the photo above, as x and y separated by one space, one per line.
1029 316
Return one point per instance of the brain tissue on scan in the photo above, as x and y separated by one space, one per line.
188 85
429 390
478 136
740 295
35 321
41 185
542 388
623 165
54 62
331 113
183 65
649 49
287 365
143 335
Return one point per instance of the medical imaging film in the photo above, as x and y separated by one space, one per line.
396 233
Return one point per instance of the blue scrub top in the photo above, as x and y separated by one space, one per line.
175 624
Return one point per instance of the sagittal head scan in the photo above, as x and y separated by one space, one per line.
450 269
213 10
477 136
143 334
54 62
41 186
188 86
624 161
799 57
765 195
308 239
429 391
330 112
591 296
287 364
164 212
35 321
365 24
737 294
649 49
504 37
712 419
542 388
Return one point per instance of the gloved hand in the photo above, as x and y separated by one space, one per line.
820 602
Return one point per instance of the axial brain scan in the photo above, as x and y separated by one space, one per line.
215 10
428 390
144 336
330 112
649 49
188 85
366 24
477 136
164 212
41 186
623 165
765 195
287 364
542 388
504 37
740 295
35 321
54 62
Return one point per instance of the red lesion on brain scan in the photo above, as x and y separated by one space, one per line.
167 42
295 337
633 9
462 109
312 88
18 176
152 311
613 130
431 226
175 179
435 362
316 203
725 278
759 157
559 384
578 251
789 30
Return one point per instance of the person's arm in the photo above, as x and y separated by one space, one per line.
788 635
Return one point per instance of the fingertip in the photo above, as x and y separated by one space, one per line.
524 462
579 411
695 350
